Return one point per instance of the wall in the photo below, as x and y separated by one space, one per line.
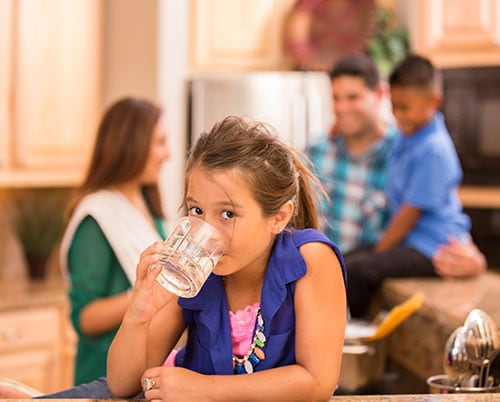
173 67
146 54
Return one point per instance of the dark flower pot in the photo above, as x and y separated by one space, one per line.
37 266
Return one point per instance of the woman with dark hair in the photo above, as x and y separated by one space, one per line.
112 216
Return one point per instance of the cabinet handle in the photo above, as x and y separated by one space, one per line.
11 335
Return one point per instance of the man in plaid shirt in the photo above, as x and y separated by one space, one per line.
351 163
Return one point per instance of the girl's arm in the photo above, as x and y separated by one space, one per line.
127 356
320 306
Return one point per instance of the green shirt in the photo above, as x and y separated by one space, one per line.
95 273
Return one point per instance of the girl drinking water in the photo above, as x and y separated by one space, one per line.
269 322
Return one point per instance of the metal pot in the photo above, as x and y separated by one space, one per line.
363 361
441 384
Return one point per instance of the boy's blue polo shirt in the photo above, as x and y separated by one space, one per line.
424 171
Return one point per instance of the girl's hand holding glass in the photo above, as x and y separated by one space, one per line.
147 295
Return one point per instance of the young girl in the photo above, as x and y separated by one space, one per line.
270 320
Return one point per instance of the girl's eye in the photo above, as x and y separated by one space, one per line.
195 211
227 214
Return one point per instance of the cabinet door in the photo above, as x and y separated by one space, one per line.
57 72
238 34
34 368
457 33
30 342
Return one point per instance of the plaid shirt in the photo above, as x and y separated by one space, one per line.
358 212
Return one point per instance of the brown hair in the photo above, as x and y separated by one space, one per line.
121 150
272 170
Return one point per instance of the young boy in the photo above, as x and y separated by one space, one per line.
423 175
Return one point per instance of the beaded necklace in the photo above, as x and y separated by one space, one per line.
247 363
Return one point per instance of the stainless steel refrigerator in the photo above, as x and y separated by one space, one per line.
297 104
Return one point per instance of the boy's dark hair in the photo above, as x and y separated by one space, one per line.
415 71
357 65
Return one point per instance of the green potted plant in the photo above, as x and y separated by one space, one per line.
37 217
389 44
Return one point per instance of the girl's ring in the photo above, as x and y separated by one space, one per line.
149 383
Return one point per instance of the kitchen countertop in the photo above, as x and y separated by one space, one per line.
480 196
420 398
354 398
24 293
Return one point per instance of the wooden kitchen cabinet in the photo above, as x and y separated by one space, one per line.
50 100
33 347
456 33
238 34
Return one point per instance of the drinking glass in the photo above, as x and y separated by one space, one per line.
191 252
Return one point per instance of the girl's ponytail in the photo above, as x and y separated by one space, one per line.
310 191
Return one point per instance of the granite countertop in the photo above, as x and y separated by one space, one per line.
24 293
420 398
354 398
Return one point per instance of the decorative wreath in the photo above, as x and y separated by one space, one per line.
317 32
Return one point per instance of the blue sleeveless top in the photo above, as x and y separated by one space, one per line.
208 348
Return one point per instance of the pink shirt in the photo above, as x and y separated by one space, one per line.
242 325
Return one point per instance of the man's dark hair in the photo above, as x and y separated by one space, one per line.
357 65
415 71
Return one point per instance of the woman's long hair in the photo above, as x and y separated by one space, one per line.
121 150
